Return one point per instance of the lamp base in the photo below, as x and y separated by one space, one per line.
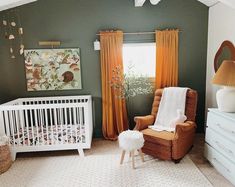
226 99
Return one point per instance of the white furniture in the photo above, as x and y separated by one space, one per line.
47 123
220 142
131 141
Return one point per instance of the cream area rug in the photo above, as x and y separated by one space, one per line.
101 170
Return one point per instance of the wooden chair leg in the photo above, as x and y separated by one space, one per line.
141 155
133 159
122 157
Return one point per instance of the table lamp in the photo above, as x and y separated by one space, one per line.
225 76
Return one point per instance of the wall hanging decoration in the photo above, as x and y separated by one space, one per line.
53 69
225 52
13 32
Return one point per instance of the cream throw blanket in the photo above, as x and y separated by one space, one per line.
172 101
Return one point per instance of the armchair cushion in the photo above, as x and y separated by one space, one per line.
164 138
169 145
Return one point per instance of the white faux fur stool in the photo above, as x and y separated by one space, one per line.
130 141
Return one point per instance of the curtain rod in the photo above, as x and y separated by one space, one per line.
135 33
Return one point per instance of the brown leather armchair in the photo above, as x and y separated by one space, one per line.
169 145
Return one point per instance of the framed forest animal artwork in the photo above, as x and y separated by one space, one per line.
53 69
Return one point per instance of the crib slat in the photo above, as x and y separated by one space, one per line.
46 121
75 124
17 126
61 125
56 125
10 127
70 124
10 117
86 123
51 124
40 125
27 125
7 123
32 127
36 118
66 125
22 124
81 124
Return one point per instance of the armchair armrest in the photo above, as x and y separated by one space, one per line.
142 122
183 140
184 128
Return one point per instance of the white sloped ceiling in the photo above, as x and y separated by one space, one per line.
209 3
6 4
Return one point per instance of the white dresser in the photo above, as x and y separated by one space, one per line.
220 142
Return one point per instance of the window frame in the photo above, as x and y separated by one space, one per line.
152 79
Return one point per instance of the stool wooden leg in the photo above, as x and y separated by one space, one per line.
133 159
122 157
141 155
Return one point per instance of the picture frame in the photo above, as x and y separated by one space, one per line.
53 69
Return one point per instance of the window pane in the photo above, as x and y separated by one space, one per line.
142 57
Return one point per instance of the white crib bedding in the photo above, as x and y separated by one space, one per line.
55 135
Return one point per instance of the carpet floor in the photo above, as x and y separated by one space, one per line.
101 170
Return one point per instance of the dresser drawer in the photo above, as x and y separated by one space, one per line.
222 125
221 144
222 164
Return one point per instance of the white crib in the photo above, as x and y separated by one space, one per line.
47 123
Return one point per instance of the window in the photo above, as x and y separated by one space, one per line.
141 57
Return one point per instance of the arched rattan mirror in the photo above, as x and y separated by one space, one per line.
225 52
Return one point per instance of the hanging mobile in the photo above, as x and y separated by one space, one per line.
4 22
13 23
11 35
21 49
11 39
12 53
20 32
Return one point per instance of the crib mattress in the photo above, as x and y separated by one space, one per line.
54 135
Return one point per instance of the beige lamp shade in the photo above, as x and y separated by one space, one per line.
226 74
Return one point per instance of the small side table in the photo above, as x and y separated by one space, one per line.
129 141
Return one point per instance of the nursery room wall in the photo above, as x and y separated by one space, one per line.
220 29
75 23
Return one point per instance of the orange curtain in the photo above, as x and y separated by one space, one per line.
167 58
114 114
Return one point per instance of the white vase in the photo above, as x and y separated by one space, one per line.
226 99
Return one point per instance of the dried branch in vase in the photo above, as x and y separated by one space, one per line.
129 84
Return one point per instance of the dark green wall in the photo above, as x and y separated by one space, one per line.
75 23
